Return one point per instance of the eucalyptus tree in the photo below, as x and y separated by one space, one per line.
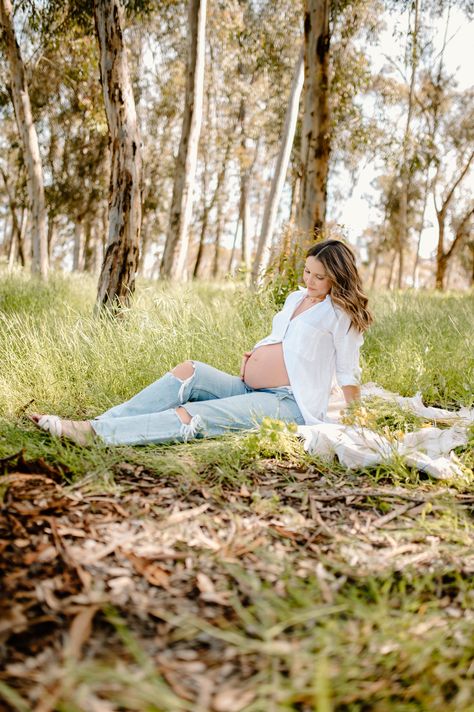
14 202
415 98
279 176
14 247
413 36
315 147
262 40
177 241
29 138
455 160
250 61
117 277
75 140
159 81
334 129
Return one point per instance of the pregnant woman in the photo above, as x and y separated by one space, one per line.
288 375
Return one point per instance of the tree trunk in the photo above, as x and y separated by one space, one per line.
402 236
117 278
234 244
207 205
16 249
217 239
90 248
10 244
145 239
462 231
29 139
471 248
441 261
390 273
22 234
207 209
177 241
442 256
295 197
52 234
204 221
315 139
77 262
245 217
420 232
15 228
271 207
376 267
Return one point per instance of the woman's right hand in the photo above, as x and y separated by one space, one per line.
245 358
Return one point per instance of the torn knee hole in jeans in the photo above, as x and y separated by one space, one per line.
185 382
191 429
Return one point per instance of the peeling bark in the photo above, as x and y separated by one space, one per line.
315 139
120 263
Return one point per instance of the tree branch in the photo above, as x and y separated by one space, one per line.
456 183
460 231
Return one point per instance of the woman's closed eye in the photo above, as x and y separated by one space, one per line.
318 276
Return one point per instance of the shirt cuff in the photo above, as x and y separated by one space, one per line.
348 379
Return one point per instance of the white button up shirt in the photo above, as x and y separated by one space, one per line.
317 344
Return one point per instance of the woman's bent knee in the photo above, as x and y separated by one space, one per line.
183 370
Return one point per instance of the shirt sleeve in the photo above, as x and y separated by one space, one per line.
347 343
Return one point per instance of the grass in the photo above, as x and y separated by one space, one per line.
318 613
423 342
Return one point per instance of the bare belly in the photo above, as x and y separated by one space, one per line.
266 368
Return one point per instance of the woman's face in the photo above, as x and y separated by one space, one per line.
315 278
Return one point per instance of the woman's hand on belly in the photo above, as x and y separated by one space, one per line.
245 358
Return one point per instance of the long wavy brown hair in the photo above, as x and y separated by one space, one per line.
346 287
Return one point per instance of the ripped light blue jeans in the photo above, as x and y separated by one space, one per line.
217 402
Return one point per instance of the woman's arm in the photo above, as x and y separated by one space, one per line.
347 343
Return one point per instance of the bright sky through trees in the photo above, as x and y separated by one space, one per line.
356 212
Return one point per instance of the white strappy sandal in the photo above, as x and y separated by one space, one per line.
53 425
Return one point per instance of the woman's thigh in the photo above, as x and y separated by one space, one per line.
169 391
242 412
207 383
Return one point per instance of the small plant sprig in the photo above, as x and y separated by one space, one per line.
276 439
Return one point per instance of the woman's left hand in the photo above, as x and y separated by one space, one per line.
351 393
245 358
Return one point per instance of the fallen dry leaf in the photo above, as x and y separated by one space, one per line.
232 700
79 633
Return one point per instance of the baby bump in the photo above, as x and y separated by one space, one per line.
266 368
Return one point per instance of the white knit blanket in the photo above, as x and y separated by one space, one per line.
429 449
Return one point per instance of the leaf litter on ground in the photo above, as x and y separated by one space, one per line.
210 594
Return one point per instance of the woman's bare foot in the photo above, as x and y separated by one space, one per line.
79 431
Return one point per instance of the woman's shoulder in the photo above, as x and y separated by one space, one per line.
338 310
342 317
343 323
335 310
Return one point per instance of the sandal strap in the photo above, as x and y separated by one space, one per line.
52 424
